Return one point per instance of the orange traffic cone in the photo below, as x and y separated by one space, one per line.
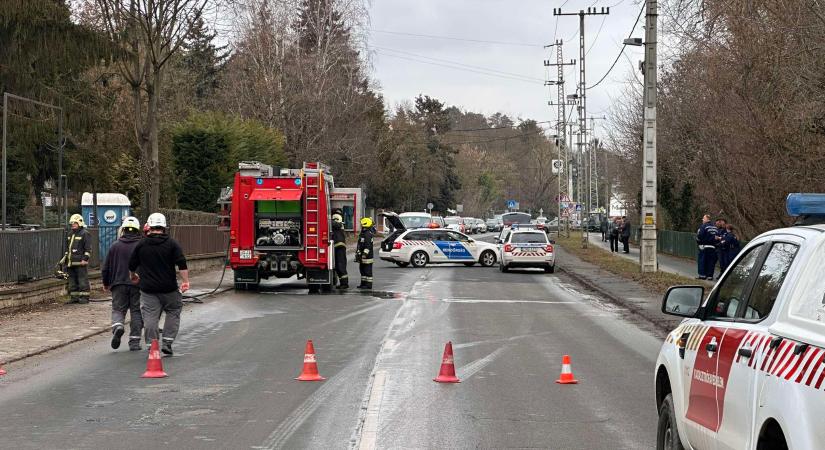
447 372
310 370
2 371
566 373
154 365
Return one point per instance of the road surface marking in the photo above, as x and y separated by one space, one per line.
474 367
369 431
472 300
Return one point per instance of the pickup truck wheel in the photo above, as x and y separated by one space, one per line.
488 258
667 434
419 259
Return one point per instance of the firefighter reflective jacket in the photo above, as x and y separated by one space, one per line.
365 251
338 236
79 247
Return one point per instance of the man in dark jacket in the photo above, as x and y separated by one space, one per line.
603 228
706 239
339 240
125 294
364 253
76 259
625 235
152 265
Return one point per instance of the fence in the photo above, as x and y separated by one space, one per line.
32 254
676 243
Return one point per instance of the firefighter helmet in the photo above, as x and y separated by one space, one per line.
156 220
337 218
78 219
366 222
130 223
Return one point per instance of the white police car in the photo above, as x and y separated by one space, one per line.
525 247
419 247
746 368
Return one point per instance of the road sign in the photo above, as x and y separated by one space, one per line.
430 206
578 207
459 208
565 214
512 204
557 166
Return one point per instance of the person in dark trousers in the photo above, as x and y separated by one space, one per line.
125 294
603 228
152 265
730 247
76 259
339 240
613 233
625 235
706 240
364 253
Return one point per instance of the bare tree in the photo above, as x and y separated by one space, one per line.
148 33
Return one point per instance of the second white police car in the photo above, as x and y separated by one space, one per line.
419 247
526 248
746 368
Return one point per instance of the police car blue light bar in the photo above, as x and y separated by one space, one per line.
799 204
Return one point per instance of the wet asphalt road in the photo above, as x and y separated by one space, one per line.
231 380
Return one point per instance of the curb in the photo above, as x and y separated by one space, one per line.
82 337
641 312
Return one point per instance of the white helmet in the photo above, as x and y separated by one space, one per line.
156 220
130 222
337 218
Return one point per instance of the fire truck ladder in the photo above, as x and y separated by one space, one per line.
312 179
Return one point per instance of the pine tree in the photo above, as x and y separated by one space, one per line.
204 60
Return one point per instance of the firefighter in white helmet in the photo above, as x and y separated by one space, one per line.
152 266
339 240
125 294
76 259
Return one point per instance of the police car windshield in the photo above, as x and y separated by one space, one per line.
415 221
529 238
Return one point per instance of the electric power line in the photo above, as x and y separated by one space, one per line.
447 61
453 38
459 68
621 51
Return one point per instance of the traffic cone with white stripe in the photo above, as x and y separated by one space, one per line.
310 370
154 365
447 372
2 371
566 376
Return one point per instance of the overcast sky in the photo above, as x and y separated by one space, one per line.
407 65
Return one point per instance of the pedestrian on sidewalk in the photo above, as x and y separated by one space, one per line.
625 235
125 294
603 228
364 253
730 247
706 240
339 240
76 259
613 233
152 265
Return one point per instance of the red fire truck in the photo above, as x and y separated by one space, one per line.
279 224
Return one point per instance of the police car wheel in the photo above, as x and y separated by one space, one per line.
550 269
667 434
419 259
488 258
402 264
503 268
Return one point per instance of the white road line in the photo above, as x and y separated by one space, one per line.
369 431
472 300
474 367
354 313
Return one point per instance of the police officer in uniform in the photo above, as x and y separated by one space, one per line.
339 241
364 253
76 259
706 239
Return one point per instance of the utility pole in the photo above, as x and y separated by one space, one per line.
648 259
592 160
561 126
583 87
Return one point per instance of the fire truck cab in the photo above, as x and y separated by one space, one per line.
279 224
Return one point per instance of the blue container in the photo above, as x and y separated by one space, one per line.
112 208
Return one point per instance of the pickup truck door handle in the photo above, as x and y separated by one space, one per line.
745 352
711 347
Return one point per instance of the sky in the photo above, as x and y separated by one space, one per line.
449 69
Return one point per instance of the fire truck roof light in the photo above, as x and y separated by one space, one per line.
799 204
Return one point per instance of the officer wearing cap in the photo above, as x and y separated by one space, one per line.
339 242
125 294
706 239
76 258
364 253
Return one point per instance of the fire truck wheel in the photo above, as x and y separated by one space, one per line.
326 288
667 435
314 288
419 259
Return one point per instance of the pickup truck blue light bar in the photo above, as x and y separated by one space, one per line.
799 204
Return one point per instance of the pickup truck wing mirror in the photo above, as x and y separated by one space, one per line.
683 301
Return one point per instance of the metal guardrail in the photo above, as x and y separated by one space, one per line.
32 254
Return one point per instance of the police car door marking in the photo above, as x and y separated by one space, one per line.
457 251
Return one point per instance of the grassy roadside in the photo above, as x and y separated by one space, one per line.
658 282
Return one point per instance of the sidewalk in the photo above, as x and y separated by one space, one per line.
667 263
31 331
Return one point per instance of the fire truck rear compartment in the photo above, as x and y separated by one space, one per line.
278 226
